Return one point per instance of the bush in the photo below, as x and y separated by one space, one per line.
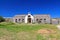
2 19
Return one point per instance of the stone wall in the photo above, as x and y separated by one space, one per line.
45 19
55 20
19 18
42 18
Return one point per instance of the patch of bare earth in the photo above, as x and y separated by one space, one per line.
46 31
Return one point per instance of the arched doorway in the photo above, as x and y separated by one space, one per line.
29 20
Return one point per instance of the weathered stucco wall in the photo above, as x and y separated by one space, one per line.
41 18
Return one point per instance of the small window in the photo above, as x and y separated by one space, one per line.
19 19
36 19
15 20
39 22
40 19
22 20
44 19
28 15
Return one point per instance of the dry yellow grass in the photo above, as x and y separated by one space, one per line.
12 31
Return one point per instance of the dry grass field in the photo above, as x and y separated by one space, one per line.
15 31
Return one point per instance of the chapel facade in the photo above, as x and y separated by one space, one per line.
29 18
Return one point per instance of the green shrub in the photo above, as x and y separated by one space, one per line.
2 19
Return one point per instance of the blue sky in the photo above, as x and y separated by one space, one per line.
9 8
